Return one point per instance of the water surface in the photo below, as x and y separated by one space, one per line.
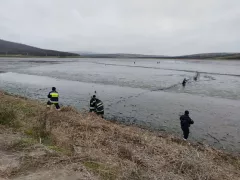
146 93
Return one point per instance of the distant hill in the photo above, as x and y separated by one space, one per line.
193 56
116 55
8 48
211 56
12 48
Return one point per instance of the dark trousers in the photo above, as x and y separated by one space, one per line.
56 104
185 131
91 110
100 113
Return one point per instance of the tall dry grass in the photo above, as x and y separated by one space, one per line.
116 151
134 153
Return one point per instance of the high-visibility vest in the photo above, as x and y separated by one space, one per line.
54 97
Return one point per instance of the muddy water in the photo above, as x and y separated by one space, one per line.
146 93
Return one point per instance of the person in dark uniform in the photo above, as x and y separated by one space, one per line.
196 76
53 98
92 103
184 82
99 108
186 122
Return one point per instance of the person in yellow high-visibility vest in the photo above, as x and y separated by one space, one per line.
53 98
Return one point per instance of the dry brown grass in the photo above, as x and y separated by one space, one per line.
115 151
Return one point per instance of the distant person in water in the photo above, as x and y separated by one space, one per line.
184 82
186 122
134 62
92 104
53 98
196 76
99 108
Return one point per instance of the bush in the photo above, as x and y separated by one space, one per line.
7 115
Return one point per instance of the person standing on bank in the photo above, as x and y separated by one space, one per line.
53 98
92 103
99 108
186 122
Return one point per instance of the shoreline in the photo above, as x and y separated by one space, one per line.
127 114
130 58
195 138
125 152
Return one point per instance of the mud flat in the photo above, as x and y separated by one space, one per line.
146 94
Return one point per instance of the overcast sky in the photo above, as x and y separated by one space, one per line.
164 27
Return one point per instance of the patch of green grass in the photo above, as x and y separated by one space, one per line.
46 140
135 175
37 131
31 132
16 124
22 144
60 150
7 93
7 115
25 109
105 172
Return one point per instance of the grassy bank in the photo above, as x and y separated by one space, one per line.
90 147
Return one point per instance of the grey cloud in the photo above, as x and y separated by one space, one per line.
132 26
